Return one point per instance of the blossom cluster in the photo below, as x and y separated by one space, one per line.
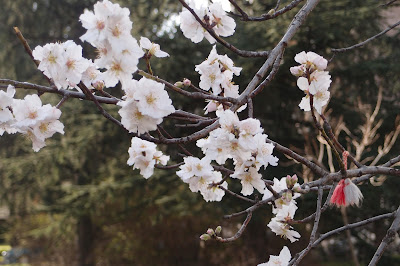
313 80
29 117
216 73
201 177
145 104
63 62
213 16
285 207
244 142
143 155
108 29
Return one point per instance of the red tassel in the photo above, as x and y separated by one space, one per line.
346 193
338 196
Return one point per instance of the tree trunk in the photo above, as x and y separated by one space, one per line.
85 241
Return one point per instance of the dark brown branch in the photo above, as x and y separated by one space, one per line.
194 95
236 195
268 16
341 50
240 232
351 226
312 166
389 237
166 167
63 100
250 108
330 134
222 41
239 9
325 136
388 3
275 68
28 50
299 256
391 162
323 209
62 92
89 95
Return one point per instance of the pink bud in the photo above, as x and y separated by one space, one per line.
187 82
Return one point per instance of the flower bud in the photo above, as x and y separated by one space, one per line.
218 230
271 12
187 82
179 84
291 181
205 237
98 85
210 231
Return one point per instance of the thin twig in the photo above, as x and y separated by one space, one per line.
351 226
240 232
268 16
236 195
341 50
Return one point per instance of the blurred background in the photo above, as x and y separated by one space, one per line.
77 202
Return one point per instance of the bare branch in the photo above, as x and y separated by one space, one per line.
351 226
240 232
341 50
389 237
268 16
299 256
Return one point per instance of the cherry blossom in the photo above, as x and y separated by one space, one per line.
213 16
143 156
281 260
152 48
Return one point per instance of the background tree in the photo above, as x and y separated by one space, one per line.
93 187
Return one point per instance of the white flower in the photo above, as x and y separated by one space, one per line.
214 193
6 100
214 16
281 260
190 27
152 99
283 230
217 72
143 156
318 88
211 77
250 179
47 128
152 48
108 22
120 68
194 167
28 111
135 121
96 23
311 61
51 59
6 117
264 151
224 25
